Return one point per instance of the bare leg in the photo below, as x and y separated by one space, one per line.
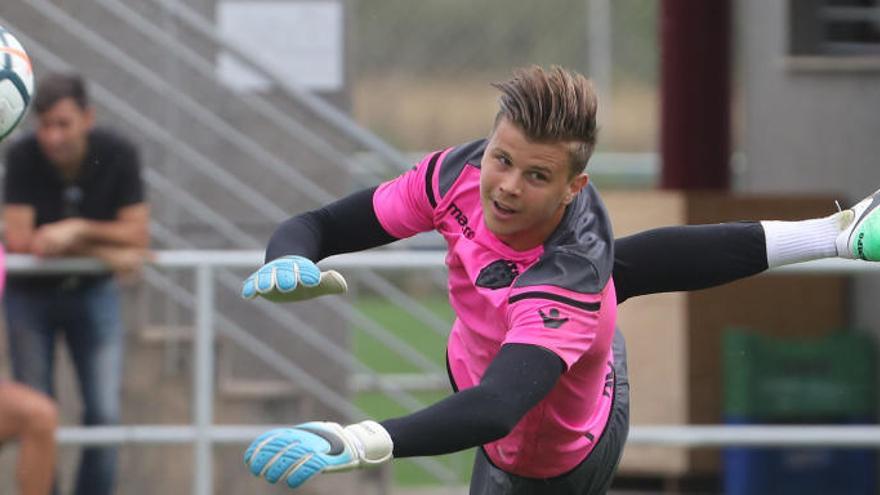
30 418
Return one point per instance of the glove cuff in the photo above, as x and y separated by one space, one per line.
373 443
332 282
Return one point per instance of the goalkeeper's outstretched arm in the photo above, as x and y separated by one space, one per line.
347 225
290 273
516 380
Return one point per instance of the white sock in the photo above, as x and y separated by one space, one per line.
804 240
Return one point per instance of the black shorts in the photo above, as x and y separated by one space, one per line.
592 476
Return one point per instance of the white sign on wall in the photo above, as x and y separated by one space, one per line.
300 40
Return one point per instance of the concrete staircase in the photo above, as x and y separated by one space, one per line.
195 108
216 126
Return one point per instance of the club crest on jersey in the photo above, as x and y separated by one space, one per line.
553 319
498 274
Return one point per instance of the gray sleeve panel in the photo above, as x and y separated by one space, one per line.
579 256
454 162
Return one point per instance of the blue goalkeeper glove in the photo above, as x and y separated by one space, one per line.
296 454
292 278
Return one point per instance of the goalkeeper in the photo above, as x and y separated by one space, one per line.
535 276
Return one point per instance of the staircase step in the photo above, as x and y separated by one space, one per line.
411 382
257 389
165 334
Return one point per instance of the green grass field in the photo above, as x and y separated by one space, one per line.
373 354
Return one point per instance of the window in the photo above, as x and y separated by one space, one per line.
834 28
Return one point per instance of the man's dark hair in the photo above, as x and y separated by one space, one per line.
549 106
56 86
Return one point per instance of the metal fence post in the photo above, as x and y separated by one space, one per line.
203 380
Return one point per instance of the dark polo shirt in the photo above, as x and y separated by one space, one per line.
109 180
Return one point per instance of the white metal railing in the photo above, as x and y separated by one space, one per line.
223 178
202 433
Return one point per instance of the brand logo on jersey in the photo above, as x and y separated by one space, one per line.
609 380
460 218
498 274
552 320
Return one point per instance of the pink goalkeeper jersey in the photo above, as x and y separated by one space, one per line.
558 296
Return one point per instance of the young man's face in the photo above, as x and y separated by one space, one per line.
62 132
525 186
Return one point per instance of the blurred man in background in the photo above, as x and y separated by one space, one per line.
73 190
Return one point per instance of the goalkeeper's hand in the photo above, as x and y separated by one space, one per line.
296 454
292 278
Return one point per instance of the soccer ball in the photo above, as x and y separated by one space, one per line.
16 82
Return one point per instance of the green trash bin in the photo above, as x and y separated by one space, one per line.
791 381
769 378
